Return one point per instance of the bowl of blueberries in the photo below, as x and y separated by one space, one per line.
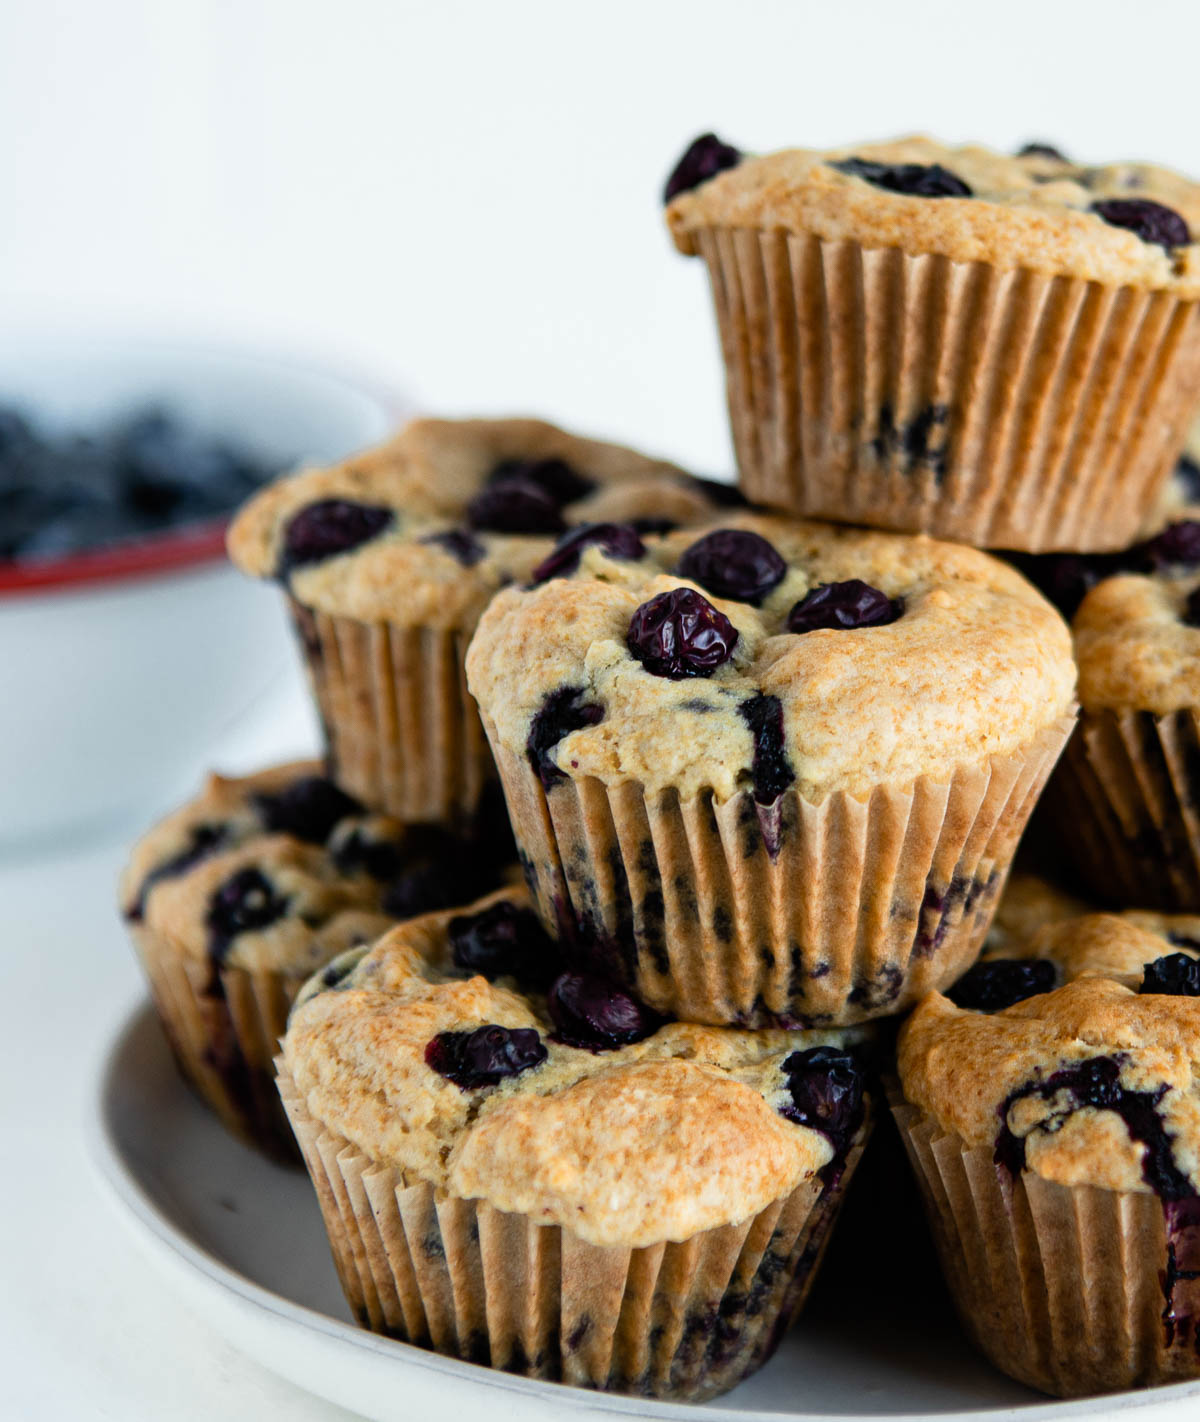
129 644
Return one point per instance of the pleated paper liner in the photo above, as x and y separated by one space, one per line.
1072 1289
1124 804
401 729
682 1321
796 914
996 407
223 1025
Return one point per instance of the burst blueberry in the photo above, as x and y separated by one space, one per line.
589 1011
485 1056
844 606
244 903
703 159
1174 975
770 771
679 634
1153 222
309 808
617 540
515 505
460 543
929 180
826 1090
562 712
555 477
997 983
734 563
502 941
328 527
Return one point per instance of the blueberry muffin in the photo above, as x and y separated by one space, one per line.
772 773
238 897
1029 903
1124 803
1050 1110
1001 350
389 558
526 1167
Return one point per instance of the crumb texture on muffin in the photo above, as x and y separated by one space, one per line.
1136 643
455 510
1032 212
635 1144
909 657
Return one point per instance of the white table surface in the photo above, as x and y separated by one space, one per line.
87 1328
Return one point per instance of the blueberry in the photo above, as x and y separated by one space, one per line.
656 526
561 713
424 886
501 941
1178 545
1041 150
717 491
703 158
912 179
618 540
999 982
771 770
331 526
203 841
844 605
516 505
1175 975
244 902
309 809
1191 613
554 477
1151 221
734 563
1064 578
826 1087
460 543
680 634
485 1056
1187 473
589 1011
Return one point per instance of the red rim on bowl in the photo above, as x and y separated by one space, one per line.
177 548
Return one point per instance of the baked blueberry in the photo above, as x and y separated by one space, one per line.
679 634
844 605
1175 974
555 477
562 712
1151 221
460 543
245 902
203 840
734 563
929 180
997 983
309 809
618 540
771 771
328 527
589 1011
1178 545
1041 150
502 941
485 1056
515 505
703 158
826 1089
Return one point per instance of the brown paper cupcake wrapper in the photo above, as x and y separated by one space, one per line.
223 1025
1124 804
680 1321
1066 1288
796 914
402 731
1000 408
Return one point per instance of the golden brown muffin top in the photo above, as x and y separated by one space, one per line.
964 660
568 1102
448 511
1032 212
1092 1081
281 870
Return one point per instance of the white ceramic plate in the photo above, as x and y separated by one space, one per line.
242 1239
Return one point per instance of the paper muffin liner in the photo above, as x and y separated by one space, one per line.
223 1025
1072 1289
1000 408
402 732
794 914
1124 804
682 1321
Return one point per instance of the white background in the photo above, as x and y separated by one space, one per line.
462 199
465 196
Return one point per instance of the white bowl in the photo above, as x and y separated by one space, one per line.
120 670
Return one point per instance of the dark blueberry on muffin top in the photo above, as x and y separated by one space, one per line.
703 158
1151 221
1174 975
501 941
329 527
928 180
679 634
589 1011
618 540
826 1087
309 809
485 1056
734 563
561 713
844 605
999 982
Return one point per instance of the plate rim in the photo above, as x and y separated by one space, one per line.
154 1227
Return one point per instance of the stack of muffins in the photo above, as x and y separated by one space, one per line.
766 778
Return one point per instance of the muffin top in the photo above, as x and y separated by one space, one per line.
457 1051
1074 1055
764 653
1027 905
1122 223
423 529
1137 634
282 870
